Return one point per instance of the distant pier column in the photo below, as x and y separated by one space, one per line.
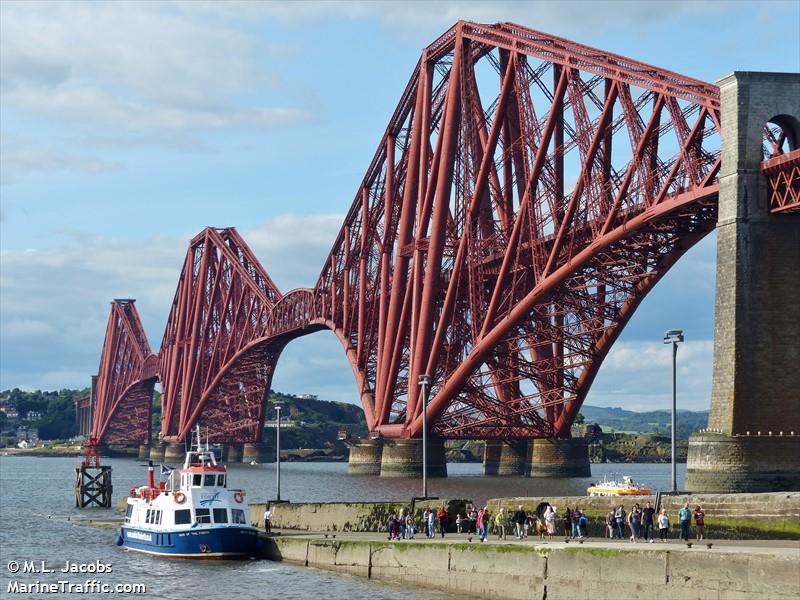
234 453
259 452
403 458
365 457
174 452
144 452
157 452
756 379
505 458
559 458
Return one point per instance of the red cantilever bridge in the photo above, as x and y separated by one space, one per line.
527 194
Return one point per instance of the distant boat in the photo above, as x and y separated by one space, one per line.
252 462
612 487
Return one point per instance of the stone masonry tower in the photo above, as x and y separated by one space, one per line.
754 423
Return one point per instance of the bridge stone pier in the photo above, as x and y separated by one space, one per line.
502 458
753 443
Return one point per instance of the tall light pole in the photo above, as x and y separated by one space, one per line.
425 382
674 337
278 450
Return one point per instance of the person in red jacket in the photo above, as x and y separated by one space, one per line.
443 518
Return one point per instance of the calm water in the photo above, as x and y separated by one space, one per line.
36 501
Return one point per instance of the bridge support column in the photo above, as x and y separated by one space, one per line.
174 452
560 458
144 452
365 457
157 452
756 381
234 453
403 458
505 458
258 452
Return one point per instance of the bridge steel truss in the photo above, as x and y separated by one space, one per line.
525 197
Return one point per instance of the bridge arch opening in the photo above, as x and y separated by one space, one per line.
781 135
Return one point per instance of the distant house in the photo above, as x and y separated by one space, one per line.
23 444
10 411
33 415
308 397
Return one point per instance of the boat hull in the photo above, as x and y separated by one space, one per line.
202 543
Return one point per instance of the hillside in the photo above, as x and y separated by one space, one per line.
656 422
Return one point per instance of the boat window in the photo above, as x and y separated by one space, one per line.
197 480
183 516
209 480
221 480
157 520
202 515
237 516
128 513
220 515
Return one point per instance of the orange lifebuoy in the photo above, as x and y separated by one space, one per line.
238 497
179 497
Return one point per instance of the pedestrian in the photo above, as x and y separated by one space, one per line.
402 523
432 523
473 521
685 517
663 525
567 522
410 526
443 517
700 521
487 518
550 521
268 520
391 526
479 524
425 523
500 523
647 522
583 523
576 515
519 517
619 520
529 524
610 523
635 521
459 522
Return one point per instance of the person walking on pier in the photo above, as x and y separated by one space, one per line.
610 523
268 520
500 523
550 521
567 522
647 522
443 518
519 522
700 521
401 521
619 519
685 517
432 523
635 522
663 525
410 526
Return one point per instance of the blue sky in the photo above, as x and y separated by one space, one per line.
127 127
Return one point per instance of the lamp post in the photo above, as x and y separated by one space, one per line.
674 337
278 451
425 382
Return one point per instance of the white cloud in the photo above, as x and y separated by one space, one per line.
19 159
133 66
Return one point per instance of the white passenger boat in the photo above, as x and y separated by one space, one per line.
611 487
193 514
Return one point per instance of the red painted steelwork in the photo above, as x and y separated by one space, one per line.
527 194
125 380
783 173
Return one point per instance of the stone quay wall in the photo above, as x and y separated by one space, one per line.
774 515
347 516
515 571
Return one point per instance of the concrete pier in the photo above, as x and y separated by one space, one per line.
174 452
234 453
509 459
559 458
757 314
259 452
157 452
403 458
365 457
144 452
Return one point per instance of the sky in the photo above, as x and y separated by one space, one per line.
125 128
